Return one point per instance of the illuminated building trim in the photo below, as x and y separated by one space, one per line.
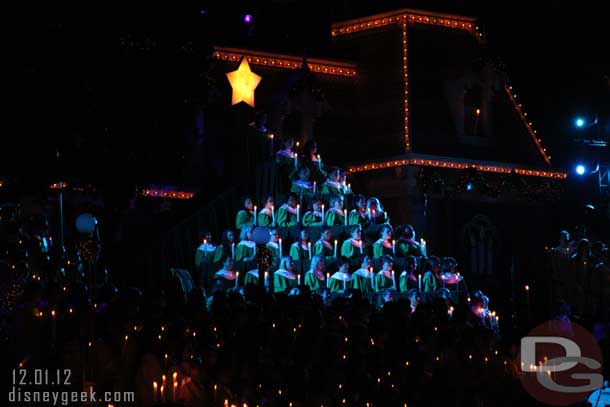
282 61
443 162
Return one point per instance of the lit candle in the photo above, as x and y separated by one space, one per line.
236 278
322 213
327 280
349 187
372 278
314 187
394 248
393 280
279 245
266 281
296 161
423 247
254 215
272 216
233 250
309 249
162 393
368 213
345 216
155 390
360 246
419 282
335 249
298 212
298 279
344 284
205 248
319 162
373 216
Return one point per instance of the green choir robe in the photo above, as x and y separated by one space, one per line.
383 281
406 248
287 216
340 282
245 248
361 280
323 248
334 217
252 277
314 282
299 251
313 219
207 253
356 217
243 218
352 248
332 188
380 218
429 283
225 280
405 283
380 250
303 188
283 281
264 218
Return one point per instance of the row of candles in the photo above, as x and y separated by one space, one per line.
162 393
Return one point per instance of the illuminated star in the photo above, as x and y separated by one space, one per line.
243 81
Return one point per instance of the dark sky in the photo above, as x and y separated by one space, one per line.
102 81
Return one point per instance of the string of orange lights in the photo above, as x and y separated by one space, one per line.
444 163
281 61
159 193
528 124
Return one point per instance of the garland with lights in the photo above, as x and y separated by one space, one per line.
491 185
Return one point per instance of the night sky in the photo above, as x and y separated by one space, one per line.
113 87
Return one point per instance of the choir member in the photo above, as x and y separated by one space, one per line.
207 252
385 278
375 212
285 278
408 278
246 248
314 277
406 244
332 185
354 246
286 162
300 250
335 214
311 159
227 245
224 279
383 246
287 213
341 281
315 216
346 189
265 215
363 278
274 245
431 280
303 186
358 215
246 215
323 246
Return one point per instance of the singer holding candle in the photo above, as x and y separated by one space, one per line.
378 215
406 245
310 159
246 215
265 215
431 281
300 250
342 279
383 246
246 248
323 246
303 186
359 215
353 247
315 217
408 278
335 215
362 279
287 213
332 185
314 277
384 279
226 246
285 278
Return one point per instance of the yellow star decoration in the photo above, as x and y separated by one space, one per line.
243 81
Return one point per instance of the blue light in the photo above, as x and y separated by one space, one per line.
580 122
248 18
580 169
469 186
